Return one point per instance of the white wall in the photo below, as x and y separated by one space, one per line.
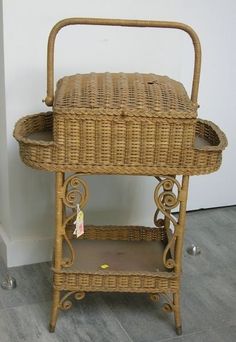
4 185
84 49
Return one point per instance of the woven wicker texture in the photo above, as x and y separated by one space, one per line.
118 123
129 281
124 233
203 156
135 124
123 119
114 282
122 94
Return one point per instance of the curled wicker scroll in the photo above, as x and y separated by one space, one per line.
74 192
65 303
167 198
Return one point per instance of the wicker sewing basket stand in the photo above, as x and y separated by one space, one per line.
134 124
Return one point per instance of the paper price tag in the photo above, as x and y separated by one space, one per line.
79 223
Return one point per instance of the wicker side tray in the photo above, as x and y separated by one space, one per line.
38 150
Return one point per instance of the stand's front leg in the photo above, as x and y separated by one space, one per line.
57 258
170 195
69 193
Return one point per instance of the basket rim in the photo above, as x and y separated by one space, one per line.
18 132
48 156
217 131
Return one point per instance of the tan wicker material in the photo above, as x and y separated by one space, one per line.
115 282
123 119
123 95
122 22
140 124
134 124
123 233
203 156
142 281
140 259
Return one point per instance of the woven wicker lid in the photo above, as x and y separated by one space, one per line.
123 94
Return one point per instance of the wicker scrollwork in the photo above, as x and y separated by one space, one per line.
68 261
155 297
159 222
74 192
65 303
168 306
167 198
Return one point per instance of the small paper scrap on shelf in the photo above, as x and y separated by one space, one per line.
104 266
79 223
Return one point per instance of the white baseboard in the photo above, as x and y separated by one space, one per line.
26 251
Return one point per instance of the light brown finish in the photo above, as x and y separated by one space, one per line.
122 95
140 124
57 247
135 124
140 147
128 23
120 255
139 258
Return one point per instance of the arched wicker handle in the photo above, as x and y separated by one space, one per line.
121 22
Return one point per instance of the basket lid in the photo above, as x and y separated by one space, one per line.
136 94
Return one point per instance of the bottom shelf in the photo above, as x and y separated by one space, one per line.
119 256
134 256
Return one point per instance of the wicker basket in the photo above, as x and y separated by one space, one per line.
38 149
123 119
121 123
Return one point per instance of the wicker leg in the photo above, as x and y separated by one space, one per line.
169 195
179 250
69 192
57 255
55 308
178 322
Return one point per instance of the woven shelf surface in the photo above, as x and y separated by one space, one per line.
123 94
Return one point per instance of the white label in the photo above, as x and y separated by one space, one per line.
79 223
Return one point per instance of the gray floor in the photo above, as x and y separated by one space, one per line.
208 298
